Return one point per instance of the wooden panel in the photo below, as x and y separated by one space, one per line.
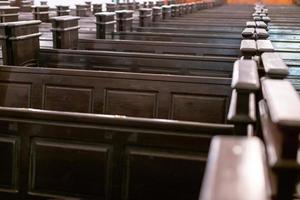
198 108
59 167
153 174
9 147
131 103
16 94
131 94
68 98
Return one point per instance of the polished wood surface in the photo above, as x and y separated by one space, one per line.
187 98
132 116
237 163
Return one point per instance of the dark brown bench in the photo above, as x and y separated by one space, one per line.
48 154
136 62
183 48
204 99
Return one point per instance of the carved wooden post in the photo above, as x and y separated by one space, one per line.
81 10
124 20
131 6
43 3
9 14
110 7
4 3
157 14
105 23
174 10
97 8
159 3
122 6
62 10
185 9
180 10
166 11
145 4
20 42
88 5
41 13
145 17
194 7
150 4
137 5
26 6
245 82
65 32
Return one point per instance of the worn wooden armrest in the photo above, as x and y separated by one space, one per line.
239 164
282 148
274 65
264 46
250 24
245 75
265 11
248 32
283 102
262 15
248 47
256 18
266 19
261 33
261 24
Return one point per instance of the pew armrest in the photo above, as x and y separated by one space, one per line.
248 32
264 46
250 24
261 33
245 75
248 46
239 163
266 19
274 65
283 102
261 24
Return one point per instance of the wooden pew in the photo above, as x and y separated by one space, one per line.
61 155
131 94
137 62
183 48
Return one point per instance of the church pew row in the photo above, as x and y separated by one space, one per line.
65 155
129 144
280 127
131 193
131 94
115 152
137 62
183 48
